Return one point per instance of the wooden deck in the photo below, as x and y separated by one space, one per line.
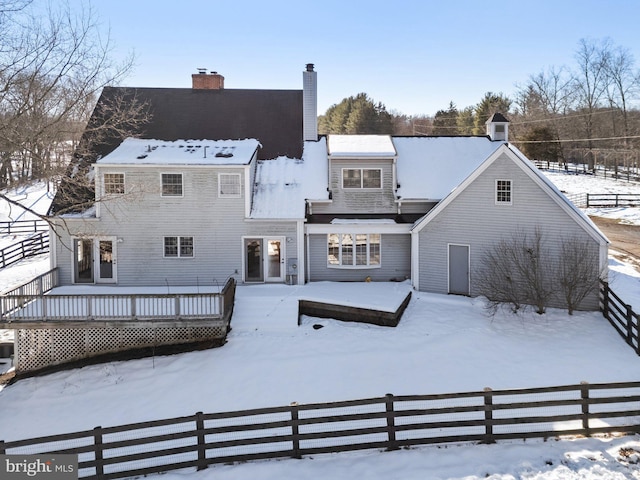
36 305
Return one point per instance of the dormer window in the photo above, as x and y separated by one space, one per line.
361 178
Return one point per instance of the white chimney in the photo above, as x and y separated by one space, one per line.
309 104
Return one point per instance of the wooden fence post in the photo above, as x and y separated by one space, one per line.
488 416
587 200
605 300
391 423
295 430
202 449
584 401
629 318
2 449
98 452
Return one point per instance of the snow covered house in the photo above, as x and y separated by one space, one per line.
237 184
276 203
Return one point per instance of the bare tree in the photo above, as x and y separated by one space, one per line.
52 69
590 83
578 272
624 83
518 271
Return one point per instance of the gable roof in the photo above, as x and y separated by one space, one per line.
428 168
538 177
273 117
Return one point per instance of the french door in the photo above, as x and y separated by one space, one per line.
264 259
95 260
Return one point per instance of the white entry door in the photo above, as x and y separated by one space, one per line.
106 260
274 260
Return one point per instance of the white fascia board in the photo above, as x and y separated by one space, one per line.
322 228
415 260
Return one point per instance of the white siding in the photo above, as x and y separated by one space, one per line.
474 219
141 218
355 200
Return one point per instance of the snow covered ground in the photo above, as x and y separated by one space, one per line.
442 344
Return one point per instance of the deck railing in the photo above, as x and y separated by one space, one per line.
28 303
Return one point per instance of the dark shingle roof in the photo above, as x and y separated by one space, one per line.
498 117
273 117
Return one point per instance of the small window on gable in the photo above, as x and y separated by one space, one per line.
361 178
171 184
229 185
503 192
113 183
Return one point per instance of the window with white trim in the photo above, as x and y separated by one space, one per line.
113 183
171 184
175 247
503 192
353 250
229 185
361 178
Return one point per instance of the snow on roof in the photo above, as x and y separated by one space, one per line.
282 185
361 146
431 167
137 151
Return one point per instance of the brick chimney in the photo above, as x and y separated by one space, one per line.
207 81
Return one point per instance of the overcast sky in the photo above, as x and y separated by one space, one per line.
413 56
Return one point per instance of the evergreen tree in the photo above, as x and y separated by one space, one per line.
543 145
445 121
356 115
466 121
490 104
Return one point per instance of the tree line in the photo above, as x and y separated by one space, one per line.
585 112
55 62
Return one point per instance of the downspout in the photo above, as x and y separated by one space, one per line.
300 247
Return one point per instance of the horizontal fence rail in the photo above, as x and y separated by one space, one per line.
630 173
23 226
388 422
621 316
30 247
28 303
612 200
